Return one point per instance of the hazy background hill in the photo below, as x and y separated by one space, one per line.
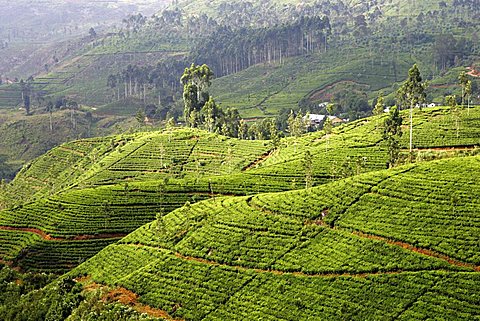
269 57
32 33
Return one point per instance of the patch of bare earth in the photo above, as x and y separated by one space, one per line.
125 297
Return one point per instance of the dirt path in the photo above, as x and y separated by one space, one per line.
443 149
76 152
407 246
258 161
423 251
129 298
48 237
264 100
278 272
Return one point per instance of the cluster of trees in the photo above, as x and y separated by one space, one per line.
449 51
142 81
229 51
412 94
26 90
200 109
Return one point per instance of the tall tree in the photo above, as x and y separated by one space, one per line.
413 93
468 94
452 103
26 91
391 134
463 81
243 130
112 83
308 167
195 80
210 113
379 106
73 106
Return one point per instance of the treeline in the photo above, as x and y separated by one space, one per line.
201 111
229 51
160 80
449 51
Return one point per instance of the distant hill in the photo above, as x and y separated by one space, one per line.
367 45
26 137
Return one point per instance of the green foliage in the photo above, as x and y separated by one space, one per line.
379 106
196 81
109 187
308 166
412 92
58 300
258 253
391 134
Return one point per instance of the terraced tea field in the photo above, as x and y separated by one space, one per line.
318 252
107 187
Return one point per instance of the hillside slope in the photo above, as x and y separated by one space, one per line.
25 138
99 190
315 253
372 56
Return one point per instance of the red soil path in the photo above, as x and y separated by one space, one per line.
48 237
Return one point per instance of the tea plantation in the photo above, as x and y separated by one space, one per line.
87 194
354 249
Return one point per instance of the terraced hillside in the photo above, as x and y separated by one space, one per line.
397 244
88 193
264 90
81 216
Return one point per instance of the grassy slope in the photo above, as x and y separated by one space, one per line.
273 257
263 90
107 187
257 92
25 138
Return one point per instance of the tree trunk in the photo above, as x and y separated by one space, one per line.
411 127
144 93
